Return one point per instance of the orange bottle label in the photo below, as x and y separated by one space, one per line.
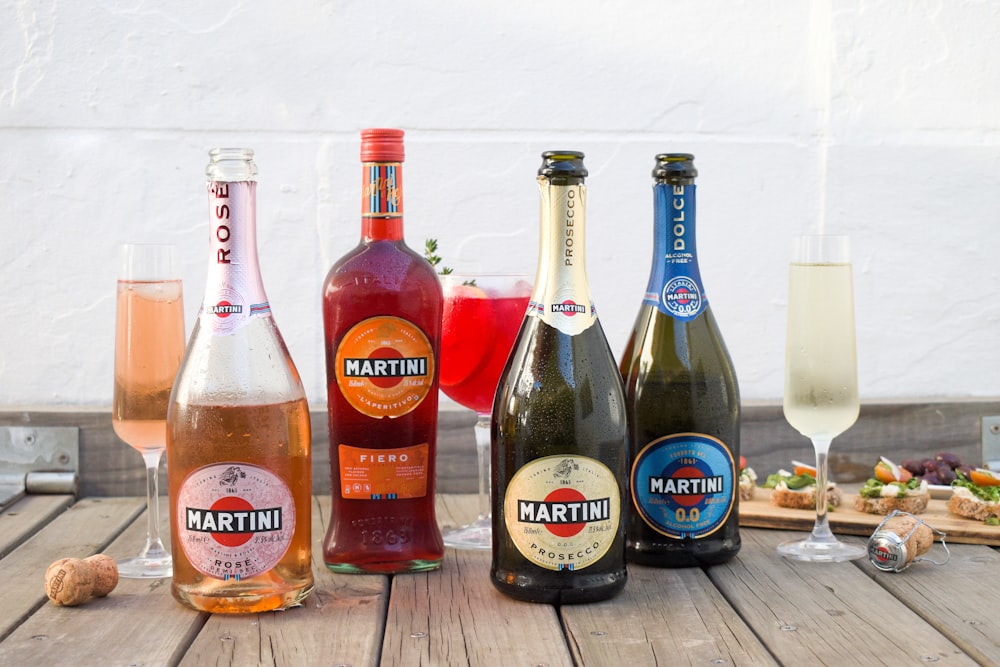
383 474
382 192
385 366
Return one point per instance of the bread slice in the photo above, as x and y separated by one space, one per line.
914 504
973 508
804 499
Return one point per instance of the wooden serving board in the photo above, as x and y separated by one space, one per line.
760 513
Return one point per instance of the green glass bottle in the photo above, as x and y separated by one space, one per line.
682 398
559 435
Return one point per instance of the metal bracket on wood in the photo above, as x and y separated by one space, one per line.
36 459
991 442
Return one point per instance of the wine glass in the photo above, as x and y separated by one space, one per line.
821 376
482 315
149 344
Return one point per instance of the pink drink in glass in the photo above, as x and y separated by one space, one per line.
482 315
479 328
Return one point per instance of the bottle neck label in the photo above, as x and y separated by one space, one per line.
382 190
675 286
563 512
234 291
561 296
385 366
234 521
684 485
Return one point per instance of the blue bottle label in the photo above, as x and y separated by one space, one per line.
675 286
684 485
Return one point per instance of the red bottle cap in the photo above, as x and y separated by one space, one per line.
381 145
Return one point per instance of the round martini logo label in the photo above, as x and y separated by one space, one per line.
385 366
682 297
683 485
234 520
563 512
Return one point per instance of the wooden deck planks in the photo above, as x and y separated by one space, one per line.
26 517
959 597
140 623
757 609
683 620
812 613
82 530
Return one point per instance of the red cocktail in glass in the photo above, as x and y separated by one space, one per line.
482 315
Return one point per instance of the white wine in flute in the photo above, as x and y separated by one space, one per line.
821 387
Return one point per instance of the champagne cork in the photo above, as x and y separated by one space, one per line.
72 581
898 541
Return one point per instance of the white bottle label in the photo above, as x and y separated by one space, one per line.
562 294
562 512
234 292
234 520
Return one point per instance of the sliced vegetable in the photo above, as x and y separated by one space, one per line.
793 482
984 477
989 493
801 468
887 472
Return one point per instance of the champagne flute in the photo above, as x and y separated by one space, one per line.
821 377
149 344
482 315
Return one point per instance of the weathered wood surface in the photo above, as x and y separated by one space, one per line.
960 598
31 513
810 614
83 529
899 430
663 617
756 609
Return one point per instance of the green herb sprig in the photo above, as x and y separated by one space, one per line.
430 254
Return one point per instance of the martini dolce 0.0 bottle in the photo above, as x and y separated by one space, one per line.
682 397
238 433
559 434
382 306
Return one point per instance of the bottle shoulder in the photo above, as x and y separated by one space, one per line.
545 360
381 263
703 331
663 350
251 365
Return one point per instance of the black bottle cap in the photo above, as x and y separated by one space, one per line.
674 166
562 163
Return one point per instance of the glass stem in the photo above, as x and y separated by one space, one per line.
482 430
154 546
821 530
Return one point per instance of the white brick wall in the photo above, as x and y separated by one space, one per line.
876 118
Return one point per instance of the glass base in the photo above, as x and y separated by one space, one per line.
476 535
144 567
391 567
820 551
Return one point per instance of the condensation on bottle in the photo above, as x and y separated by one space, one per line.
238 430
559 436
682 397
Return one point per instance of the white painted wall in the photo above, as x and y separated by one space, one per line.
877 118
